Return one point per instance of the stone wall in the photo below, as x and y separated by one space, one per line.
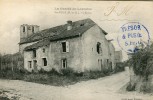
74 56
91 59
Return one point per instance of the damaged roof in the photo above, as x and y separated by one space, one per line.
58 33
41 43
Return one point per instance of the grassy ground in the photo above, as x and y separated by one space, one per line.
9 95
65 77
3 96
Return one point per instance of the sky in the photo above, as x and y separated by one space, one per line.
109 15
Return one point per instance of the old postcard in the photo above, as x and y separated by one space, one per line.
76 50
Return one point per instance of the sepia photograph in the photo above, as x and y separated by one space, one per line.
76 50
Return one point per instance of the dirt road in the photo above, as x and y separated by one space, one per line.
106 88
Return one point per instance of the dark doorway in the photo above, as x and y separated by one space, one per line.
35 65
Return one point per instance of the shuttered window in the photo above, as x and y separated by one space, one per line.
65 46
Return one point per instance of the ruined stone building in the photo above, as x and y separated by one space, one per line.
118 56
80 45
112 55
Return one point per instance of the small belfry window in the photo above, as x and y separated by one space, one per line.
64 63
32 29
98 47
23 28
44 60
65 46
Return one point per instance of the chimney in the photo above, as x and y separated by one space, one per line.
69 25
